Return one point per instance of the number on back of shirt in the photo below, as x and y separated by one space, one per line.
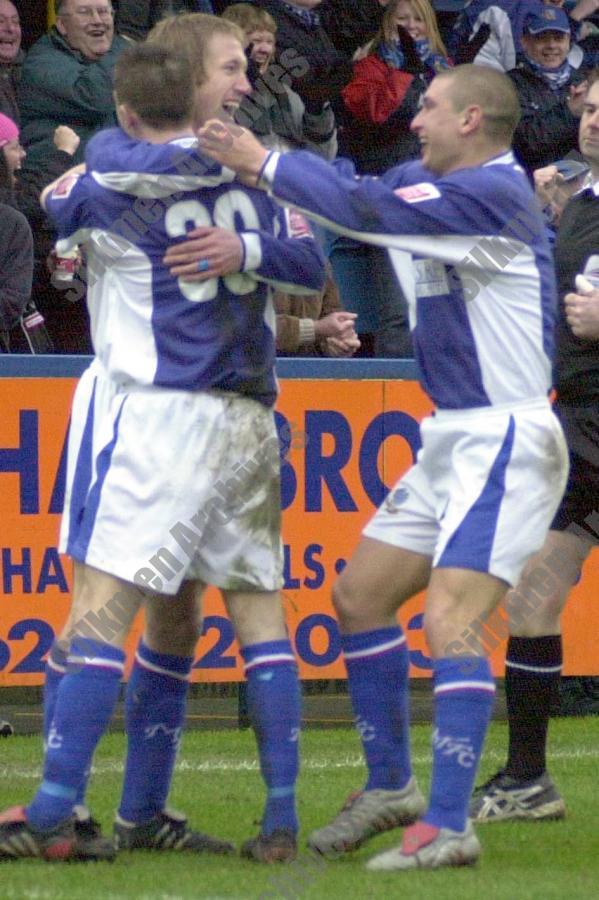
228 210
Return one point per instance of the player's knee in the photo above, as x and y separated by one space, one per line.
346 600
430 627
443 627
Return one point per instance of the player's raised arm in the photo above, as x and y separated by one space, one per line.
414 205
291 262
372 210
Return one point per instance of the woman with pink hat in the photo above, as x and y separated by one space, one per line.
12 152
20 188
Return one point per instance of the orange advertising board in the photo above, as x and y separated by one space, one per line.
350 440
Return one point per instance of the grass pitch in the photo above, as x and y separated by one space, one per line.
218 785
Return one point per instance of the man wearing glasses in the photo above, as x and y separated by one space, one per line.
11 58
67 76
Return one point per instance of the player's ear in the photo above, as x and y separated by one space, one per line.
127 119
471 117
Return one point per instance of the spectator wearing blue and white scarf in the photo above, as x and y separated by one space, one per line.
304 11
417 17
390 75
550 88
546 45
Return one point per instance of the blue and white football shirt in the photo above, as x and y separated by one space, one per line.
482 296
149 327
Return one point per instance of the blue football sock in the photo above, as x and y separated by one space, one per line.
56 667
464 690
377 665
275 711
154 718
84 704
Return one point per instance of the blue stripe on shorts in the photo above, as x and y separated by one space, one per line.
471 544
83 473
78 547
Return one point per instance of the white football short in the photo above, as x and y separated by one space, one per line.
165 486
483 491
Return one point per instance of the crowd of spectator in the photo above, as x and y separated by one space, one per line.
327 76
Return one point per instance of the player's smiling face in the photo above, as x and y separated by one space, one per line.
437 126
226 83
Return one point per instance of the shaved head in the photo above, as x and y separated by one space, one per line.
492 91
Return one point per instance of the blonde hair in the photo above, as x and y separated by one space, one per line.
189 35
388 29
249 18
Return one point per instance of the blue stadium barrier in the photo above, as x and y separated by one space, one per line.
21 366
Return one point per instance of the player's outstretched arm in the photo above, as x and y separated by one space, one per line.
285 262
291 262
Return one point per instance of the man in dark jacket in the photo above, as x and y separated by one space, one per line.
67 77
135 18
11 59
551 91
351 25
319 70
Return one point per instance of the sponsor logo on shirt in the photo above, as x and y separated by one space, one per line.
415 193
298 225
65 186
